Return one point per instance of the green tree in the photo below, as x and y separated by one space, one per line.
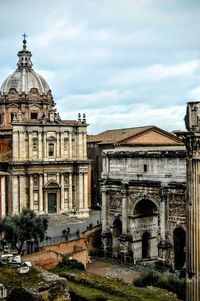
22 227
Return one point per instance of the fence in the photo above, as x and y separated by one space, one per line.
123 259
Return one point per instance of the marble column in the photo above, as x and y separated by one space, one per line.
15 194
62 200
70 192
45 145
22 194
84 146
58 146
31 192
22 146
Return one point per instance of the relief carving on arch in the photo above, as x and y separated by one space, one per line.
134 198
115 200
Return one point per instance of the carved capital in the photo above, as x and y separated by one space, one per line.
192 143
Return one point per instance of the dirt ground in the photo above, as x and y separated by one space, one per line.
112 270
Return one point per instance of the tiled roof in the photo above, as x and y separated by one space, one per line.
139 134
114 136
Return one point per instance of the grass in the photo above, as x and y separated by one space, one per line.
88 287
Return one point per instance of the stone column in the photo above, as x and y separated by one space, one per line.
31 192
22 146
85 180
58 146
45 145
62 156
70 145
62 197
84 146
3 196
40 145
124 209
41 209
15 194
192 139
15 145
70 192
22 194
162 217
80 190
104 214
30 145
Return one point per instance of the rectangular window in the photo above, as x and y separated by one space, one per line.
145 168
51 149
34 116
12 116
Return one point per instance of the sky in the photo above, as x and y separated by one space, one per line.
124 63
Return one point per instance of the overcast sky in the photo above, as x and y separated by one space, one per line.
124 63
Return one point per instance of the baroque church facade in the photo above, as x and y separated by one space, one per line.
43 159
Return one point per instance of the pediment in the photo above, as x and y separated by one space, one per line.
34 106
13 105
52 184
153 137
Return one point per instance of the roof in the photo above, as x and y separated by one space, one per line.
146 135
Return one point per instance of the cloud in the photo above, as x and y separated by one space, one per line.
122 62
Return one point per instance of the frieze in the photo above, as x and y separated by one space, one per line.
145 226
115 200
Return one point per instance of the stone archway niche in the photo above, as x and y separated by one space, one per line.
179 237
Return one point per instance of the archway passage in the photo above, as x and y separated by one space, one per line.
117 227
179 236
145 207
145 245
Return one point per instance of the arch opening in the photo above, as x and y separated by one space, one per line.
179 237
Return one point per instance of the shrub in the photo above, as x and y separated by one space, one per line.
161 280
71 264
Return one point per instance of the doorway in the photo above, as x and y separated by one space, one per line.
52 203
179 236
145 245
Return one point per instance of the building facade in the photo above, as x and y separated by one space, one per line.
43 160
144 201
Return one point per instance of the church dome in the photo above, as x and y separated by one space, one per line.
24 78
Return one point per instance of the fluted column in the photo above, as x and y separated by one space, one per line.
193 233
70 191
62 201
162 217
31 192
